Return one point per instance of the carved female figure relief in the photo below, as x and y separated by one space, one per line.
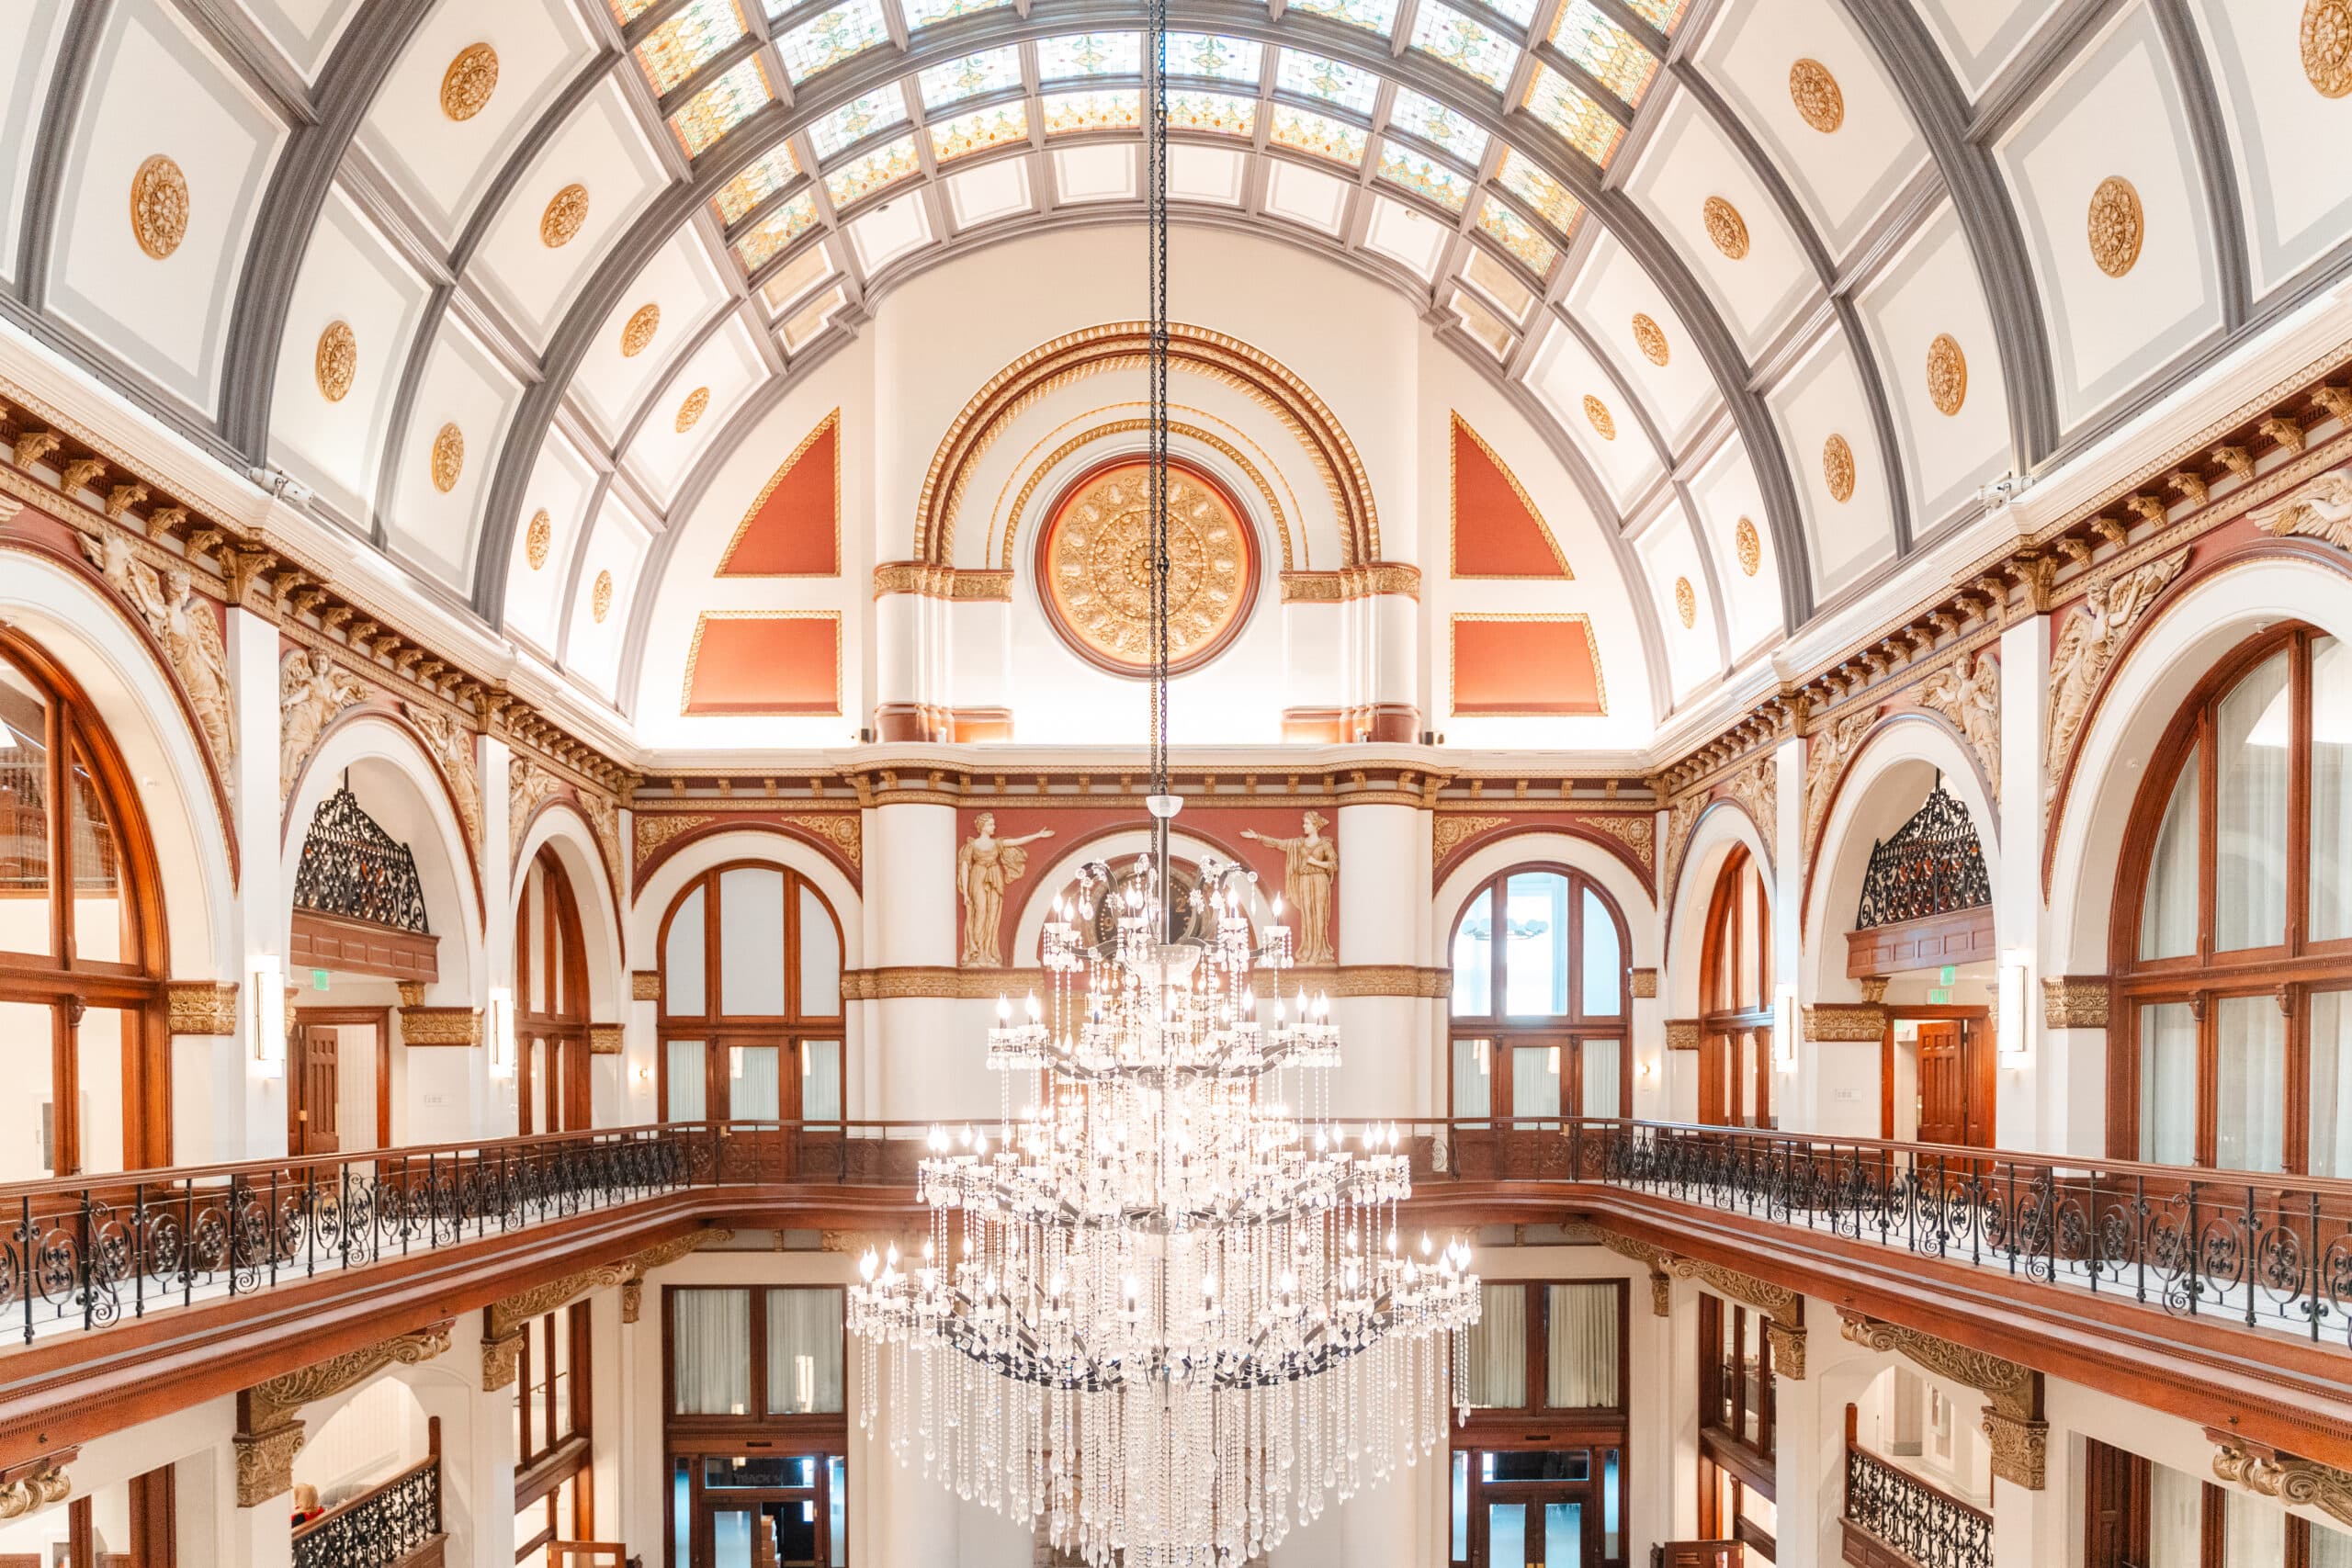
1310 864
984 866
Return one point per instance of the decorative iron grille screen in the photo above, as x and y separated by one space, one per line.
1933 866
351 867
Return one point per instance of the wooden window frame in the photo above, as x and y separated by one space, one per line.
1725 1323
815 1427
718 1032
2116 1515
1724 1024
1582 1419
563 1027
539 1341
1569 1030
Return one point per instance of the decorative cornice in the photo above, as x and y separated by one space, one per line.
2013 1425
273 1402
2297 1482
202 1007
2074 1001
604 1039
1783 1307
940 982
440 1026
1851 1022
505 1320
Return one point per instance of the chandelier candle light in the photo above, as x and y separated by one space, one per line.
1165 1310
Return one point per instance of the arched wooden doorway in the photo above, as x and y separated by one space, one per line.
552 1093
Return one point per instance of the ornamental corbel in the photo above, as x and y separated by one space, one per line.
163 520
122 498
36 1484
80 474
2235 458
2268 1472
2336 400
35 444
2289 434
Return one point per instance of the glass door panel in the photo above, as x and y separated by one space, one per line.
1507 1536
1563 1535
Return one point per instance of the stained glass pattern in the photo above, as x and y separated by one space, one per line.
689 39
1663 14
1070 112
1424 176
1517 235
1089 54
1551 200
1440 127
923 13
827 39
857 119
1372 15
1319 134
771 234
979 129
627 11
1605 50
989 70
1214 56
1520 11
1462 43
1226 114
1581 123
870 171
766 174
1315 77
718 109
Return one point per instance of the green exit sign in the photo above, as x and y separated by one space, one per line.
318 979
1939 994
1947 976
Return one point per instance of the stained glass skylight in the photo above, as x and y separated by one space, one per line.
1070 112
1553 201
1089 54
1213 55
1520 11
1462 43
1663 14
979 129
923 13
771 234
1329 80
1581 123
718 109
627 11
1437 125
832 37
766 174
989 70
1373 16
871 170
1605 48
1226 114
857 119
1517 235
1318 134
1423 175
691 38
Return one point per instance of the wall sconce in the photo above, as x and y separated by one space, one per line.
1784 1029
501 1020
2011 1023
266 1014
1645 1068
645 1074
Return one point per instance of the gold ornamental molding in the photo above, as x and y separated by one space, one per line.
983 584
1784 1308
202 1007
504 1321
269 1434
37 1486
1850 1023
1644 984
2074 1001
660 1255
604 1039
1370 581
1682 1034
2267 1473
1451 830
645 985
940 982
2013 1425
440 1026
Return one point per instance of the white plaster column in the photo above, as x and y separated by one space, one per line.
1381 912
2030 1528
613 1418
1808 1456
1796 1092
979 646
496 1113
1314 674
1662 1501
1389 619
640 1459
900 656
919 1063
248 1111
477 1453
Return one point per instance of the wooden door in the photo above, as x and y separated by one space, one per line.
1943 1085
313 1084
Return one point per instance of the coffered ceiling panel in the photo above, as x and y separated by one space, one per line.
601 598
1596 416
1681 600
304 31
555 517
25 77
659 314
1647 343
1840 471
1980 36
2283 99
442 464
1731 523
695 407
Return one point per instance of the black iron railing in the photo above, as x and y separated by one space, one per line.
381 1526
1897 1509
351 867
1933 866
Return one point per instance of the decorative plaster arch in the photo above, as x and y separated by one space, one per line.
660 853
1617 847
1118 346
765 845
1722 827
1113 428
574 840
1579 853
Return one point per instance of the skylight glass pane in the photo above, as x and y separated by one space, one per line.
1520 11
1423 175
768 174
980 129
721 107
1213 55
681 45
923 13
1326 79
1068 112
1437 125
812 317
1581 123
1089 54
1550 198
1318 134
1517 235
627 11
870 171
990 71
1226 114
1462 43
856 119
778 229
1605 50
830 37
1374 15
1663 14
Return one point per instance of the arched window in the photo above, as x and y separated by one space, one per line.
550 1003
1736 998
1540 1000
750 1019
2233 946
82 1036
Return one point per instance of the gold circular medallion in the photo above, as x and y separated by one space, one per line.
1603 422
337 362
537 538
1726 227
449 457
1837 469
1947 374
600 601
1751 547
567 209
467 86
1094 566
159 205
1686 603
2116 226
2327 45
692 409
1650 340
1816 94
640 330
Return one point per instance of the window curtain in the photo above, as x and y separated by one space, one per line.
2250 822
2331 1025
820 1080
753 1096
1472 1094
1582 1346
711 1352
688 1102
2330 792
2331 1548
2169 918
2167 1084
2250 1084
1534 1082
2253 1530
2175 1529
804 1350
1499 1349
1601 1094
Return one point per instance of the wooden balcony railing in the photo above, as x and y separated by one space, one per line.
395 1524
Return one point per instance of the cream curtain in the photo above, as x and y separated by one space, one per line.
804 1350
2250 817
753 1096
2250 1084
1582 1346
1603 1080
2174 1534
687 1100
1499 1349
2331 1016
2167 1084
2331 856
2169 918
2253 1530
711 1352
2331 1548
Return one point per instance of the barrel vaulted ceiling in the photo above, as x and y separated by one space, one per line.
1833 265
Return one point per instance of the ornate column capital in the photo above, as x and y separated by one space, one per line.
202 1007
2270 1474
2074 1001
268 1434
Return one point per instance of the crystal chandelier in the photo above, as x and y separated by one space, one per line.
1164 1310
